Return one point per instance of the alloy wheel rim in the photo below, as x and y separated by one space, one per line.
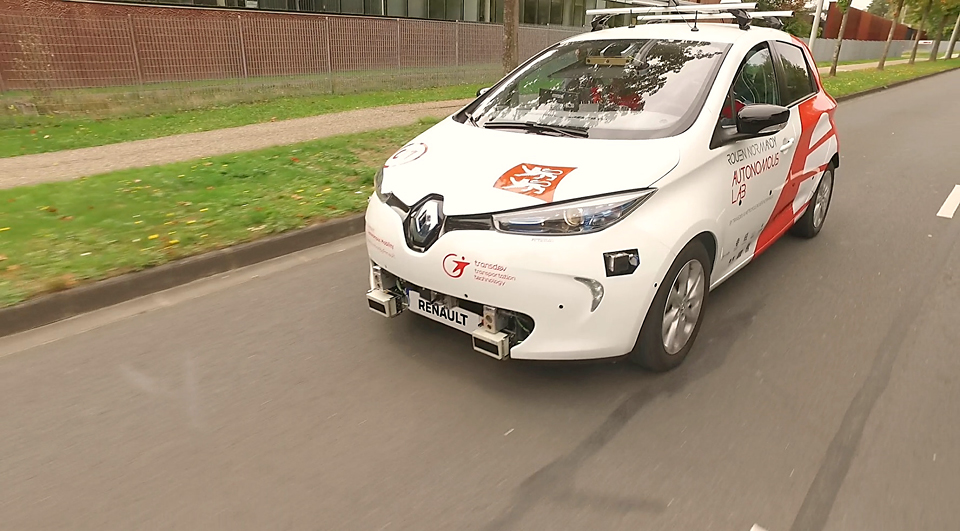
682 310
822 200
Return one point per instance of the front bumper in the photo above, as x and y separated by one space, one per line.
534 276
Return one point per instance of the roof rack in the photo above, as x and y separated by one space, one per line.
683 10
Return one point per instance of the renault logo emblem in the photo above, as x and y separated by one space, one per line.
424 222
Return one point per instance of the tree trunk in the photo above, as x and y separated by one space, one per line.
836 51
916 40
935 50
953 38
893 29
511 27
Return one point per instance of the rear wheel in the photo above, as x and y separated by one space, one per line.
673 320
811 221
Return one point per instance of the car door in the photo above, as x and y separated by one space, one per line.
756 168
815 139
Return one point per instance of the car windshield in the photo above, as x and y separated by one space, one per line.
626 89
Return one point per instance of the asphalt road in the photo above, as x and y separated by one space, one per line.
822 393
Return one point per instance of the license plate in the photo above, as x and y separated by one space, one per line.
454 317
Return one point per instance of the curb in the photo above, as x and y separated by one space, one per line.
892 85
48 309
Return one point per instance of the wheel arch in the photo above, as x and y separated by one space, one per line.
709 241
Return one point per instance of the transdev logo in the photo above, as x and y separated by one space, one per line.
533 180
454 267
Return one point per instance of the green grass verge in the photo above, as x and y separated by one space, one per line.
42 134
57 235
847 83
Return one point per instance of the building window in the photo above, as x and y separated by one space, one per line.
454 10
437 9
396 8
354 7
471 10
417 8
528 12
372 7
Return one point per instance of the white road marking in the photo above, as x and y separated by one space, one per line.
757 528
950 205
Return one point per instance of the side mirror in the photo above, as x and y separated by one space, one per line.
482 91
762 119
756 120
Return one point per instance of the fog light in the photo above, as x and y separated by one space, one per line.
596 291
620 263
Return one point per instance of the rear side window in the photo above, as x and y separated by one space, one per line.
798 82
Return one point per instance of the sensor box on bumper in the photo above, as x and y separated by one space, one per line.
384 303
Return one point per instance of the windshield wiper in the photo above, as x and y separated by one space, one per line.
539 128
472 119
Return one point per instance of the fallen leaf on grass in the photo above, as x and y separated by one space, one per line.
153 236
4 229
2 258
174 242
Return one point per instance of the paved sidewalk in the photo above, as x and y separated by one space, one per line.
861 66
72 164
865 66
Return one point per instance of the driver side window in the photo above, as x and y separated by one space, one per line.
756 83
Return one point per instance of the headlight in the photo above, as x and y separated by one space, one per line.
378 183
575 217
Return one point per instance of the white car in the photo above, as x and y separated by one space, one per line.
585 205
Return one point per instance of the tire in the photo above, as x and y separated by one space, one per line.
810 223
652 350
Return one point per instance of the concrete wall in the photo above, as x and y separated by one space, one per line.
857 50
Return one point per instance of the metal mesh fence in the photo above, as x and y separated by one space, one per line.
136 63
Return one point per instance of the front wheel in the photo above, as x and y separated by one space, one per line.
673 320
811 221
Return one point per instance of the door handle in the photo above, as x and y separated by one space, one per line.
787 144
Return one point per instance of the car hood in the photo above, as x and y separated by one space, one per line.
479 170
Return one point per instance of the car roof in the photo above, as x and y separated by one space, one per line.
707 32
